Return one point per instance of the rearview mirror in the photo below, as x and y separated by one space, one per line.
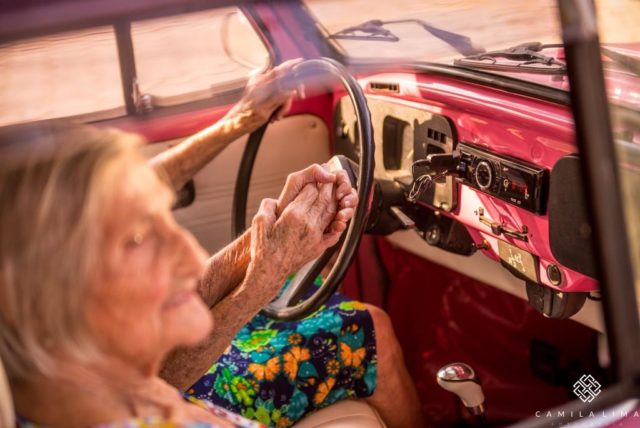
242 44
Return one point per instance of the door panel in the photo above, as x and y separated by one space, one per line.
289 145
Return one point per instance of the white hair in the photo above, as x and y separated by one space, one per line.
54 178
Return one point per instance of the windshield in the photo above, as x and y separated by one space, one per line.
514 23
518 39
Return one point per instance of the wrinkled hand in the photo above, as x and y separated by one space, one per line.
345 195
309 217
282 245
265 94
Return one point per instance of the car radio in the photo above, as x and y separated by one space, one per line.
511 180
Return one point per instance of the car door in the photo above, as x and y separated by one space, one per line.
166 78
170 55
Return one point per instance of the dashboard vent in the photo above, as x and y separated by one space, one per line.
385 87
438 136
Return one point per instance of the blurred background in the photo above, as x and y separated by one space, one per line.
182 58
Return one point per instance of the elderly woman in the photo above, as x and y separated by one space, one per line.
100 289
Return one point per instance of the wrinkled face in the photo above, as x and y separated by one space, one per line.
145 302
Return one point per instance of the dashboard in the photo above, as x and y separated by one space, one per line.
483 170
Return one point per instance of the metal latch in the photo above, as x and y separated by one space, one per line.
498 229
142 102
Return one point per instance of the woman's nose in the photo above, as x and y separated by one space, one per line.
190 257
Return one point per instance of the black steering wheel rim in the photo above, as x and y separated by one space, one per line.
351 237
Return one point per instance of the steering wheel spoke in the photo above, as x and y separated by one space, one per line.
303 280
295 288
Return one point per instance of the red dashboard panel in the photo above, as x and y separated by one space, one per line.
505 124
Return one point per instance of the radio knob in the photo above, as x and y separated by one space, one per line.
483 175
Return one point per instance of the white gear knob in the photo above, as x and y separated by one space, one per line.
461 379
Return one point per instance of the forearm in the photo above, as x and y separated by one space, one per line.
263 96
179 163
225 270
185 366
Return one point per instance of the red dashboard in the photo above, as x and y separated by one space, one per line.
511 152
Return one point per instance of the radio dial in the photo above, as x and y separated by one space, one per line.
484 175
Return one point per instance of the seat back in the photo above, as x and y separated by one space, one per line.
7 416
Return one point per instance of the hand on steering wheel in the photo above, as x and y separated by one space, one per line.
345 195
288 305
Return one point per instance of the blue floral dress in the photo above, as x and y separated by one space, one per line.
276 372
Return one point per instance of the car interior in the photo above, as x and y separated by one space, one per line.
473 231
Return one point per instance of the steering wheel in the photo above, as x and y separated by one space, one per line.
290 304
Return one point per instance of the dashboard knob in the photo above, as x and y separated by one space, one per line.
483 175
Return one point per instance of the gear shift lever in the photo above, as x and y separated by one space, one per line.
461 379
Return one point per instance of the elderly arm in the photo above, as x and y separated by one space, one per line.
227 268
181 162
184 366
264 95
246 275
223 288
278 246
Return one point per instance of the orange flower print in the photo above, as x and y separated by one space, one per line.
295 338
351 328
333 367
284 422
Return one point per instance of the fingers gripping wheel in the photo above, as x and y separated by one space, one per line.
288 305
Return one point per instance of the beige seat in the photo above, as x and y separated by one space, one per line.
345 414
7 418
